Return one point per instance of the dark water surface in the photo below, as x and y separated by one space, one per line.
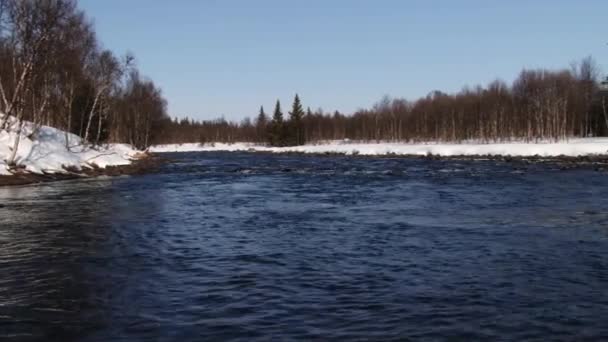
247 247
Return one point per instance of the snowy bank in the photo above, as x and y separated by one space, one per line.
571 148
46 152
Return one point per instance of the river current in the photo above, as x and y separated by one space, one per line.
239 246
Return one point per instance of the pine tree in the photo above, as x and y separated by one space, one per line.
278 114
296 131
262 119
277 127
261 125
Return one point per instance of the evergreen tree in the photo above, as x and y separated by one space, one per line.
296 131
262 119
261 125
277 127
278 114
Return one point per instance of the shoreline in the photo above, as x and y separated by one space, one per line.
144 165
575 147
153 160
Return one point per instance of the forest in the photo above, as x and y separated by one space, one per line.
55 72
547 105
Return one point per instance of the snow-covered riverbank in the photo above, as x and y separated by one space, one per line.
45 151
571 148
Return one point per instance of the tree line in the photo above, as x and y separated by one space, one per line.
55 72
275 131
539 104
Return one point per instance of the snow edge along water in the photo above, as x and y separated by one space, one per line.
45 151
572 148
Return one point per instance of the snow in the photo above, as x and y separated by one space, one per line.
46 151
571 147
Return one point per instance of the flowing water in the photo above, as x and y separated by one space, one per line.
237 246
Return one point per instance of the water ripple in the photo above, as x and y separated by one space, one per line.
225 246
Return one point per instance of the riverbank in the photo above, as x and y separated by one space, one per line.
572 148
47 154
48 150
145 163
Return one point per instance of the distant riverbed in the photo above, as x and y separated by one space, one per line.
276 247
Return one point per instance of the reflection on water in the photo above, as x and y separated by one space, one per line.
250 246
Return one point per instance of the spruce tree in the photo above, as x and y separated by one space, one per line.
296 134
277 127
262 119
261 125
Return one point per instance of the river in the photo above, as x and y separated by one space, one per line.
238 246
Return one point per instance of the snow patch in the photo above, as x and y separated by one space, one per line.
45 151
572 148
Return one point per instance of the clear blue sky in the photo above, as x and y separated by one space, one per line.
228 57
